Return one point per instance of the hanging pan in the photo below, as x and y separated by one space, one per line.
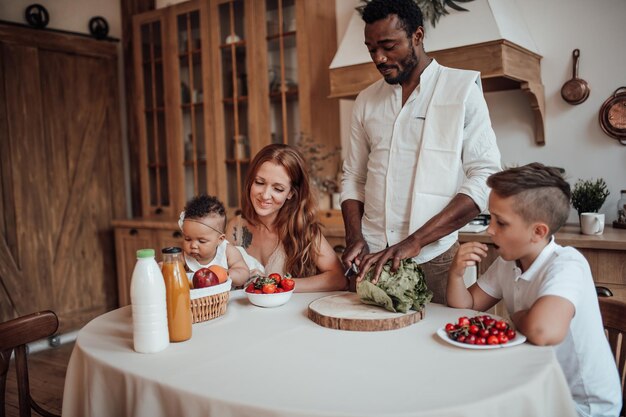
613 115
576 90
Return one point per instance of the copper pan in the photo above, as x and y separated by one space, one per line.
576 90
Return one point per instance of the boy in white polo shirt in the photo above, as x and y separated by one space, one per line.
548 289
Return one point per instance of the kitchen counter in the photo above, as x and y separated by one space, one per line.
570 235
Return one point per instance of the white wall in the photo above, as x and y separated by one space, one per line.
574 139
72 15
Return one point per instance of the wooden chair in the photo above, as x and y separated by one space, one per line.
614 319
14 335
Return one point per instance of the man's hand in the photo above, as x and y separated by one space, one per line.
408 248
354 252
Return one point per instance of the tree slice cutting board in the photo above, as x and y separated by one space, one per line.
347 312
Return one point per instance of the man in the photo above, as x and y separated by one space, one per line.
421 149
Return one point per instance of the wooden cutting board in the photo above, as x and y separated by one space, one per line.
347 312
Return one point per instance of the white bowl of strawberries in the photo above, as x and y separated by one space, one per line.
271 291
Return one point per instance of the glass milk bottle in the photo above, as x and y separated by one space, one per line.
177 295
147 295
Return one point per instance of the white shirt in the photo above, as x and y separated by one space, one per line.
584 355
380 165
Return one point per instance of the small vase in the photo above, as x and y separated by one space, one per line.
336 201
324 201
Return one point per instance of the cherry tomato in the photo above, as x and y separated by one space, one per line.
276 277
258 291
473 329
464 321
268 289
501 325
449 327
493 340
250 288
279 290
510 334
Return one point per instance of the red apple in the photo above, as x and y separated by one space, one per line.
204 277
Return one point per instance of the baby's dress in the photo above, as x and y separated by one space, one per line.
219 259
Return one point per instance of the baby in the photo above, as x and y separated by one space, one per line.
202 223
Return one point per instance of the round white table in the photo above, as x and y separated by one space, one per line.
276 362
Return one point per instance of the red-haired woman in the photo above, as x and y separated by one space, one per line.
279 226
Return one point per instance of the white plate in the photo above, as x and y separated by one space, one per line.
517 340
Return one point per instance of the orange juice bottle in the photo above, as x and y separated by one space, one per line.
177 295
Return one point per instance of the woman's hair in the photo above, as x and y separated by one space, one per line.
297 225
540 192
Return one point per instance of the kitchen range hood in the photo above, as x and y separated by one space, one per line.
491 38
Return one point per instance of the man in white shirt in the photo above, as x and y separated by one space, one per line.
421 149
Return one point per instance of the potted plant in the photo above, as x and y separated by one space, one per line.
588 196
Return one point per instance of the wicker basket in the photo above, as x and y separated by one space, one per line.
209 303
210 307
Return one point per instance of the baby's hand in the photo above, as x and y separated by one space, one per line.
469 254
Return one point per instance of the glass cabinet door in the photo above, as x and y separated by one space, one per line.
154 161
235 103
192 101
282 60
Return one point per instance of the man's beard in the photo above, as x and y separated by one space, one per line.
408 65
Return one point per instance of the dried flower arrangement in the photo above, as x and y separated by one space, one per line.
316 157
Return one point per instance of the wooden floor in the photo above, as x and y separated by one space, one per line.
46 371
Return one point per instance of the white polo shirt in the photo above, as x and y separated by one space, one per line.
585 355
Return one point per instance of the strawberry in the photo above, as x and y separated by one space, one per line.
269 288
288 284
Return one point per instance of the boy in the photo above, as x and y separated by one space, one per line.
548 289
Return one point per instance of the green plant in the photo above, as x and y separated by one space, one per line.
588 196
316 157
432 10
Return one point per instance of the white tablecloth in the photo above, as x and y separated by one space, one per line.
276 362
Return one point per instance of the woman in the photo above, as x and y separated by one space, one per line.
279 224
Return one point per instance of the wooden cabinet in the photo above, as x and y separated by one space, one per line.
220 79
61 175
217 80
130 236
174 107
272 59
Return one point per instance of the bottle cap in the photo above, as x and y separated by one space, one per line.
171 249
145 253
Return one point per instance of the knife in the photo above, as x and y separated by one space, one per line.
351 271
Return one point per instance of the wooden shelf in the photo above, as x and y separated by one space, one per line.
231 100
281 35
241 43
503 65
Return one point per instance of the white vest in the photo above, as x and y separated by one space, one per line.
440 151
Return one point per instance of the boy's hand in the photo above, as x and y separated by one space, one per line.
469 254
